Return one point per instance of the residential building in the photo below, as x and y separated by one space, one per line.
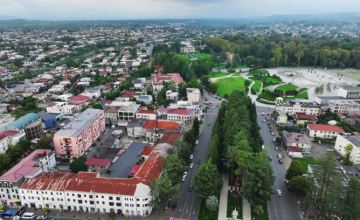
37 162
92 93
296 140
13 107
193 96
78 135
128 112
62 108
281 117
79 99
146 114
111 115
302 118
127 95
343 141
65 97
97 165
344 106
9 137
172 95
158 68
303 106
147 99
48 120
229 55
323 131
138 84
349 93
30 124
157 80
184 115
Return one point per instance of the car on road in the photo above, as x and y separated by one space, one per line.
278 192
191 165
191 188
217 106
280 161
198 161
191 157
212 106
99 139
279 156
306 152
264 121
270 158
42 217
339 158
183 178
185 173
272 133
329 149
174 206
209 124
268 123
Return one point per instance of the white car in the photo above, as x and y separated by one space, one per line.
330 149
42 217
278 191
279 156
191 157
185 174
191 165
183 179
264 121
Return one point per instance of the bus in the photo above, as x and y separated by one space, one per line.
8 214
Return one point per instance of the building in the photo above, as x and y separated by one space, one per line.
127 95
48 120
184 115
92 93
78 135
302 118
147 99
138 84
62 108
146 114
79 99
29 124
157 80
37 162
193 96
343 141
323 131
344 106
296 140
281 117
303 106
97 165
128 112
111 115
229 55
9 137
172 95
349 93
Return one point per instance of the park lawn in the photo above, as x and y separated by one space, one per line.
217 74
148 78
305 162
257 86
238 73
229 84
303 95
205 214
288 87
264 216
232 202
201 55
222 66
272 80
302 90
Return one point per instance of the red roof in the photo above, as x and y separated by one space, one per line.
14 105
147 150
303 116
169 125
170 137
79 98
181 111
295 149
341 115
135 170
128 93
49 181
146 112
97 162
5 134
320 127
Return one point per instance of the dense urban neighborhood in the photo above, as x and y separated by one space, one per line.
179 120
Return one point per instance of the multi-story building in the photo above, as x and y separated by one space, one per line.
157 80
111 115
304 106
172 95
9 137
296 140
78 135
29 124
193 96
37 162
62 108
184 115
146 114
343 141
344 106
349 93
128 112
323 131
78 100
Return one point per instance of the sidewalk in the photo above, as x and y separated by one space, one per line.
224 198
246 204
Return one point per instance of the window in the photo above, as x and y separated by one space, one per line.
118 204
90 196
110 198
103 203
138 205
80 201
118 198
91 202
111 204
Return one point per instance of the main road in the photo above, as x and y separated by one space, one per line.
188 204
286 206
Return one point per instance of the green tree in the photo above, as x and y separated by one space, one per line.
228 65
205 80
214 151
212 203
208 181
163 191
174 167
328 87
96 105
295 169
213 87
43 143
299 55
14 68
299 185
78 165
183 149
182 89
347 156
112 214
350 207
190 137
196 127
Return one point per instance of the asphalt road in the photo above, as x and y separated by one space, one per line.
285 207
188 204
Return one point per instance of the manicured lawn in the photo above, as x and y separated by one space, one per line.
217 74
264 216
229 84
222 66
305 162
205 214
256 87
302 90
303 95
200 55
272 80
238 73
287 87
232 202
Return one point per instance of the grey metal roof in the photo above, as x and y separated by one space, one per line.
354 139
352 89
45 115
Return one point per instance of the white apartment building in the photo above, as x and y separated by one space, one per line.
10 137
146 114
349 93
302 106
344 106
62 108
343 141
323 131
193 96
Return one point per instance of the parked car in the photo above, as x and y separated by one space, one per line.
191 165
270 158
185 173
191 188
183 178
279 156
209 124
264 121
191 157
329 149
306 152
339 158
198 161
280 161
42 217
278 191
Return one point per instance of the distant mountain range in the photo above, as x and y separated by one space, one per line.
5 17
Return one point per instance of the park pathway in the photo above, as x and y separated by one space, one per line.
246 204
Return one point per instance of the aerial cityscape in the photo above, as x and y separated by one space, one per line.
180 110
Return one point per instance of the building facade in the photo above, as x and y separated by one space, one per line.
323 131
344 106
343 141
302 106
349 93
193 96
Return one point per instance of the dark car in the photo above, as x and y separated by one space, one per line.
280 161
198 161
270 158
209 124
191 188
99 139
268 123
339 158
174 206
289 189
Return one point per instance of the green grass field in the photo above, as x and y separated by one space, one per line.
257 86
217 74
305 162
272 80
238 73
232 202
229 84
222 66
303 95
302 90
288 87
200 55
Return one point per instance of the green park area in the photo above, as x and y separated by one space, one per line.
217 74
201 55
303 95
288 87
229 84
257 86
305 162
205 214
222 66
263 216
352 74
232 203
271 80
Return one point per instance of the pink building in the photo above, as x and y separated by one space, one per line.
157 80
77 136
79 99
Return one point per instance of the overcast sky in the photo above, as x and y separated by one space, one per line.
153 9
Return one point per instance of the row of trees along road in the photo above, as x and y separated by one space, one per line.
167 187
236 147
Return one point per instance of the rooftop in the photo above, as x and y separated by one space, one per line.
5 134
166 125
303 116
295 138
45 115
331 128
23 121
170 137
146 112
78 98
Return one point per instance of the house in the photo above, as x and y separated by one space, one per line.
344 106
48 120
158 68
65 97
111 115
147 114
281 117
229 55
343 141
291 107
170 95
323 131
350 121
184 115
138 84
356 117
350 92
302 118
296 140
9 137
97 165
147 99
127 95
79 99
13 107
92 93
127 113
